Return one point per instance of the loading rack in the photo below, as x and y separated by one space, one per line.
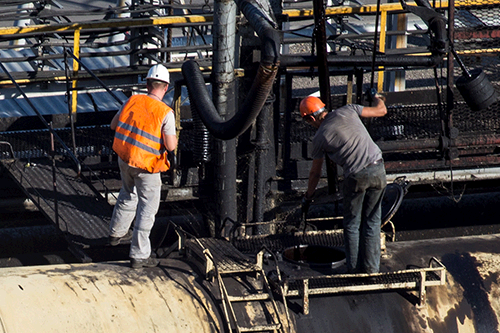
417 279
214 256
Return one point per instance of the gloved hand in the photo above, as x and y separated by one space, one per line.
306 203
370 94
172 159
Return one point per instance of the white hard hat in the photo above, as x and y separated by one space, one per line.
159 72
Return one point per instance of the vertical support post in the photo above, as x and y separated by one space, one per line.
54 178
76 67
177 107
383 34
395 80
320 32
305 296
401 43
349 88
74 85
421 298
224 30
450 67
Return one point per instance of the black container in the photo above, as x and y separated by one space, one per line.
477 90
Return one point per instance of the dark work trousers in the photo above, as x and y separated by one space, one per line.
363 193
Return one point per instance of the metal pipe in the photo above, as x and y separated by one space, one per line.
262 85
423 144
223 88
262 160
287 61
450 68
320 39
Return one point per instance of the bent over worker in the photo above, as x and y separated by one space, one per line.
343 137
144 133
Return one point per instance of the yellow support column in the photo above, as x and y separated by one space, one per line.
76 67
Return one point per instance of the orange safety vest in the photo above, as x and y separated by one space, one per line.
138 137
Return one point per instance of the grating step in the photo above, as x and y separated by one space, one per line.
224 255
260 328
249 298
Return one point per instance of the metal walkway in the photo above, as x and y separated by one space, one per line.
242 284
409 279
73 204
305 282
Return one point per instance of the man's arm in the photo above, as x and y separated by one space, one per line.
377 110
170 142
114 121
314 176
169 133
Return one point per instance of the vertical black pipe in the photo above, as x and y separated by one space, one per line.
288 120
320 33
54 178
225 102
450 83
359 85
265 163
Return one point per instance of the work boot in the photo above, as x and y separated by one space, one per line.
140 263
113 241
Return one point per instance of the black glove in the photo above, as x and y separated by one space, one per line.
305 205
370 94
172 159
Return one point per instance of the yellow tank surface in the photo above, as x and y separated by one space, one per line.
104 297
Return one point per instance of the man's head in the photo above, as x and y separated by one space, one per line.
158 79
158 73
311 108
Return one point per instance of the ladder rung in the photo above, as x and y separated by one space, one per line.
248 298
260 328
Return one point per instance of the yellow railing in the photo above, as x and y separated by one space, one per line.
190 19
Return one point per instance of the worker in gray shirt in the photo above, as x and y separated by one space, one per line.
344 138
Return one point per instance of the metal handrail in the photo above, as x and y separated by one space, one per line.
46 124
10 146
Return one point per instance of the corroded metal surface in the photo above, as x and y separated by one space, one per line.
105 297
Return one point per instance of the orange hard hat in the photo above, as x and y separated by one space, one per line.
311 105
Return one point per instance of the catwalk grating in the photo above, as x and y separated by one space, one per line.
279 242
79 211
223 254
417 280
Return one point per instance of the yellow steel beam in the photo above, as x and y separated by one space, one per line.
114 23
239 72
368 9
187 19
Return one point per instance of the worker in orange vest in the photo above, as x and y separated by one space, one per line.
144 133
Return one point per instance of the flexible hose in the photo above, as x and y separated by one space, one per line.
200 99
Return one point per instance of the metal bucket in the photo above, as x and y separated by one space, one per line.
477 90
316 256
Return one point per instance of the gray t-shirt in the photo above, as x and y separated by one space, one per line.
343 136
